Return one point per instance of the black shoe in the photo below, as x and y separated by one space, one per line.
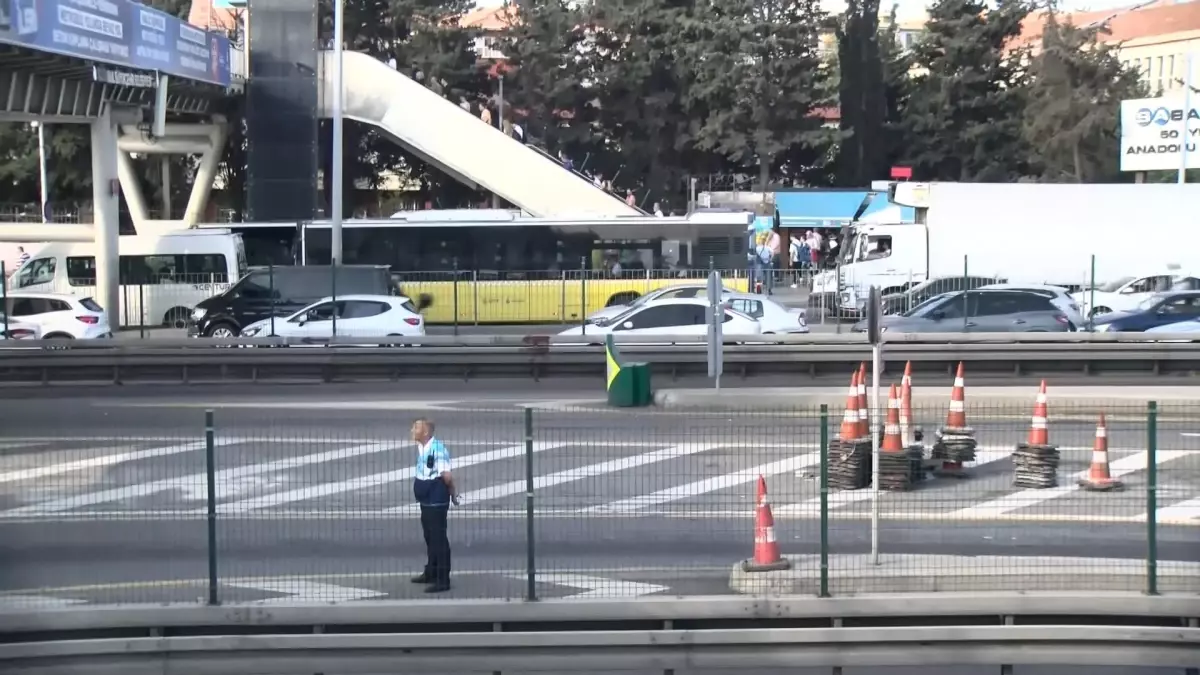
437 588
420 579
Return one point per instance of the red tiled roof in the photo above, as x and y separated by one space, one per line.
489 18
1153 21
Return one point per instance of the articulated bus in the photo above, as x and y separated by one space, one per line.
497 266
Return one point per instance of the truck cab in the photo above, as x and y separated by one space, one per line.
890 256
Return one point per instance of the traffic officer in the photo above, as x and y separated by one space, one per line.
433 487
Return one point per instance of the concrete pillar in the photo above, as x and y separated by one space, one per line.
165 168
206 175
105 200
135 198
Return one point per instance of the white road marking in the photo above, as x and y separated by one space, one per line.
25 602
1031 497
578 473
372 480
812 507
302 590
195 484
1182 512
98 461
598 587
709 484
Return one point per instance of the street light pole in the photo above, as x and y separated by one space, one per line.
1187 110
45 189
335 199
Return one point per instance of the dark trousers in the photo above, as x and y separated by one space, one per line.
437 543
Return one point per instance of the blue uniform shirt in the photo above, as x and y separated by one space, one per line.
433 459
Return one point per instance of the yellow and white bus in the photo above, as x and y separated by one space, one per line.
497 267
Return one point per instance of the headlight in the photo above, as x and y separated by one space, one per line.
251 331
198 313
1103 328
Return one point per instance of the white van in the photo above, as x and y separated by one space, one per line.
162 277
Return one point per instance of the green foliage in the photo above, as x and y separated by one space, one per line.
963 118
1073 112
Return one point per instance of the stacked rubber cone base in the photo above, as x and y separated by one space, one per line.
849 464
953 447
895 471
1093 485
1035 466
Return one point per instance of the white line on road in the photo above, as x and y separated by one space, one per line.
578 473
301 590
98 461
1032 496
369 481
196 483
598 587
1188 511
24 602
812 507
709 484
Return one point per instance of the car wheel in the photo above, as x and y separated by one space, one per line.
177 317
59 338
221 331
1100 310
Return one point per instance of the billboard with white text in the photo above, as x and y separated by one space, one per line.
1156 132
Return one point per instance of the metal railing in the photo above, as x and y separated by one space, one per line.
279 499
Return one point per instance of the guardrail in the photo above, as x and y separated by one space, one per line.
689 633
538 356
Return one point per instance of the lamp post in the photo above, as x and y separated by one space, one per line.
1187 110
45 189
335 198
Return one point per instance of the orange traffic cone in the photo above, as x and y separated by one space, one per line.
849 432
766 548
1098 476
1038 435
864 420
907 434
957 417
891 430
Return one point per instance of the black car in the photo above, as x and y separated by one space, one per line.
898 303
281 291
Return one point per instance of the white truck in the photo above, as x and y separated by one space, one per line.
1062 235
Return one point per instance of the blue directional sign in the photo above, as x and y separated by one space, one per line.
119 33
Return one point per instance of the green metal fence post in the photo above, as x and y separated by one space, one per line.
583 292
271 292
1092 295
210 471
1151 498
333 294
142 311
456 296
530 556
824 591
4 295
966 287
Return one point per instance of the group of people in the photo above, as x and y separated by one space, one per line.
807 252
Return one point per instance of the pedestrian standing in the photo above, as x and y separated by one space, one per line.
22 258
433 487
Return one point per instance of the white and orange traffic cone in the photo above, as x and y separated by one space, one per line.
907 433
891 429
1098 477
1038 434
766 549
850 421
864 419
956 418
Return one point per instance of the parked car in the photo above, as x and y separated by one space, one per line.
979 311
1126 293
1189 326
59 316
1162 309
359 316
12 329
898 303
772 317
1058 295
680 316
694 290
283 291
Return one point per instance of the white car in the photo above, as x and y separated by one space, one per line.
1189 326
1058 296
686 316
357 316
1126 293
695 290
772 317
59 316
12 329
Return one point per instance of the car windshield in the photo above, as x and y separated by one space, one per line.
619 317
923 308
1114 285
1149 303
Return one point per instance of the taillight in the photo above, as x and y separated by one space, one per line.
19 334
1061 318
413 322
89 320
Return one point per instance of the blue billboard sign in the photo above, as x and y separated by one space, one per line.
119 33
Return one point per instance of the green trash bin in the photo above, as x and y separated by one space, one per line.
628 383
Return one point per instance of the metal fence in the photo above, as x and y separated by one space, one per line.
162 503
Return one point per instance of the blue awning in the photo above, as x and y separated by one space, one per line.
819 208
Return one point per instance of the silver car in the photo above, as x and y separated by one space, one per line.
980 311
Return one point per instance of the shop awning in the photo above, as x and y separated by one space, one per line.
836 208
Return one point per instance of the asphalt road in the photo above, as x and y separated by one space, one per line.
103 499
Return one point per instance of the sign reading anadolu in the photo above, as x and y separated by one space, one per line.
119 33
1154 132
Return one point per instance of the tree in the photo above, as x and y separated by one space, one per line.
1073 116
962 121
759 80
862 153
